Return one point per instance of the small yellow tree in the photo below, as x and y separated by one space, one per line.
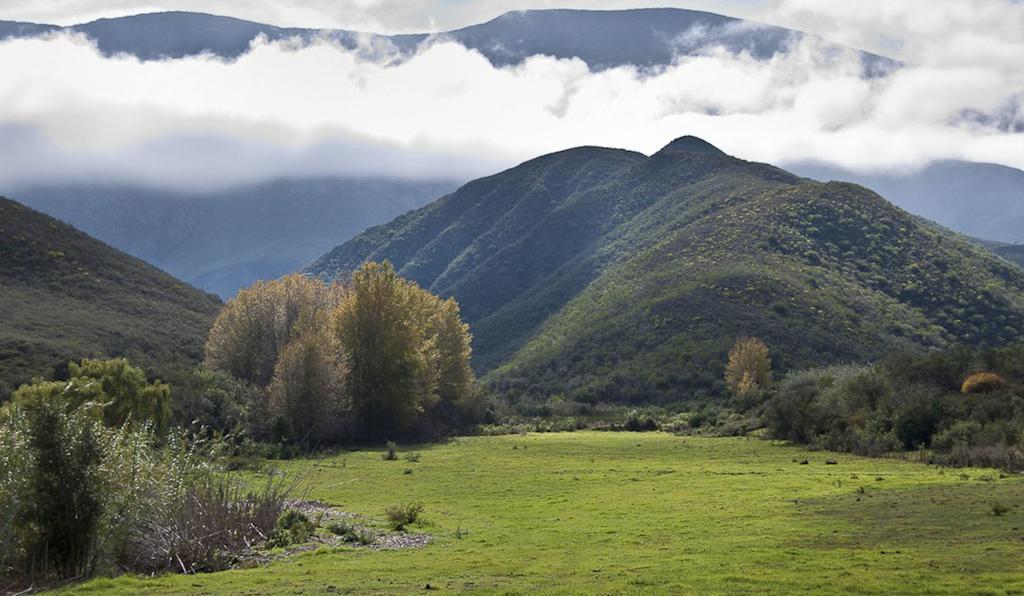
749 370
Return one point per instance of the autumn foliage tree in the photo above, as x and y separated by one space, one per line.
307 393
749 369
389 352
255 326
380 357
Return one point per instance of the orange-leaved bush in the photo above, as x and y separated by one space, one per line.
982 382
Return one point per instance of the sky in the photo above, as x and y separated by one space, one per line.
67 113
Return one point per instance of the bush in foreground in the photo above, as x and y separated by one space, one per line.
78 498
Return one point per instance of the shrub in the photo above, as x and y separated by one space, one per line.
911 401
960 433
983 382
413 457
111 390
998 509
64 500
390 452
206 524
69 491
77 498
292 527
637 422
350 531
400 516
213 399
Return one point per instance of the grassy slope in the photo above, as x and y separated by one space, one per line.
609 276
65 295
621 512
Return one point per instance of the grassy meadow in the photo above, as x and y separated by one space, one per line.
649 512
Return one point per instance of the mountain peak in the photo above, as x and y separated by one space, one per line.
691 144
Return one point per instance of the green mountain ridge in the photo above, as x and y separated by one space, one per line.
65 295
607 275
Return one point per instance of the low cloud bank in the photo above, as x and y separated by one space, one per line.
67 113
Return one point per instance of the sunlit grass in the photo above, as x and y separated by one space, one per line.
622 512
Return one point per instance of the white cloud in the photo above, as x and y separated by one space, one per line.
923 32
282 110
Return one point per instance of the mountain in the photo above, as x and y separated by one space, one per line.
65 295
646 37
1011 252
983 200
608 275
222 241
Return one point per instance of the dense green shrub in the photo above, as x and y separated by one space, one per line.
214 399
639 422
906 402
67 490
64 502
112 390
292 527
401 516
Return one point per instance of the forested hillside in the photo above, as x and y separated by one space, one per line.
65 295
608 275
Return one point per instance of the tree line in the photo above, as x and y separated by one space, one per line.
376 358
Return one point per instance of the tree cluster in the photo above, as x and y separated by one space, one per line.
379 357
962 406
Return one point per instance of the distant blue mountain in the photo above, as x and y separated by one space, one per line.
982 200
226 240
603 39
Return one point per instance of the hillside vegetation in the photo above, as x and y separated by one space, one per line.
607 275
65 296
983 200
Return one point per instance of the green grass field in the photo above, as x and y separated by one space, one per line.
651 512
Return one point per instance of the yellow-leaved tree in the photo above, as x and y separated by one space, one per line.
255 326
389 352
379 357
749 369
